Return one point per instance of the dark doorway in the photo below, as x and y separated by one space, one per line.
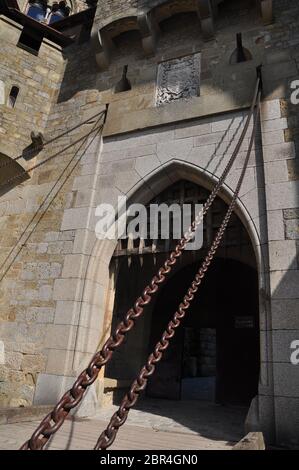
215 355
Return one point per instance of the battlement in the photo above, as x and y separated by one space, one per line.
113 18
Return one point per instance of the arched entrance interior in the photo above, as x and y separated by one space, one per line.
215 355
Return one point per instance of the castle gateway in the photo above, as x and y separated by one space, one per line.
149 100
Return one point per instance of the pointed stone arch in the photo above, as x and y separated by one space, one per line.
154 183
93 301
142 192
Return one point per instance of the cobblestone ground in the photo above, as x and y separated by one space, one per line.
155 425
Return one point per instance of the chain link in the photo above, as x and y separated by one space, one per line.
54 420
108 436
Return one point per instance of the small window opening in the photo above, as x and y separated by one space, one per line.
58 12
37 9
29 41
124 84
13 96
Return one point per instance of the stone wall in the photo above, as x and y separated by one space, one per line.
38 79
26 290
110 10
57 296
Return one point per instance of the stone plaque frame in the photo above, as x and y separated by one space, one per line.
178 78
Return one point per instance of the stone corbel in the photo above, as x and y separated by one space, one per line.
267 11
205 13
102 46
36 146
149 30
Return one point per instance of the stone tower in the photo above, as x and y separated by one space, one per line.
170 128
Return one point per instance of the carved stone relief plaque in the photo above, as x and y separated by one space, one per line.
178 79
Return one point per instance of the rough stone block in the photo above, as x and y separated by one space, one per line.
68 289
284 284
74 218
274 125
67 313
126 180
193 129
203 157
253 441
254 203
93 292
285 314
279 152
273 137
292 229
145 165
287 421
283 255
286 380
13 360
75 266
180 149
209 139
270 110
282 195
60 362
40 314
86 182
45 293
60 337
223 123
293 169
276 229
279 71
88 340
140 151
50 388
33 363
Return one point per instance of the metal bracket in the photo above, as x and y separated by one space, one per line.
36 146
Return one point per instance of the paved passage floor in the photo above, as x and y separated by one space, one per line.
154 425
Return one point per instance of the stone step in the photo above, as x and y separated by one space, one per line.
23 414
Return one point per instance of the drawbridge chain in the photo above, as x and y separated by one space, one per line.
45 143
119 418
52 157
71 399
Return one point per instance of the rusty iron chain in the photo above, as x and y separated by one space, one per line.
48 142
108 436
52 157
71 399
